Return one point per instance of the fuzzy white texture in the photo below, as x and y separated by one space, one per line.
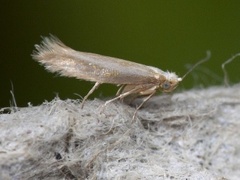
189 135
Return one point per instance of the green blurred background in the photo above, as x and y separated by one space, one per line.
165 34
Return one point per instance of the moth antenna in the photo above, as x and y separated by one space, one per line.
226 81
208 55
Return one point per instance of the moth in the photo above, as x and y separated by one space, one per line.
132 78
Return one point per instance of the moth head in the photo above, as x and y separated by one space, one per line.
170 82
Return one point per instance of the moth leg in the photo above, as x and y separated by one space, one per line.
120 90
134 90
96 85
144 101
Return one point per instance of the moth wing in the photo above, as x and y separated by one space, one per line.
57 57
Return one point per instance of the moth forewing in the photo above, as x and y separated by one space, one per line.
57 57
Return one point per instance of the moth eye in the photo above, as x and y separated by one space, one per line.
166 85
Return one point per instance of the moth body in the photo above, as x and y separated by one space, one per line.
133 78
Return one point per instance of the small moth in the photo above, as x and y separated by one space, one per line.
133 78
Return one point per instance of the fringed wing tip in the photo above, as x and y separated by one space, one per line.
47 44
50 53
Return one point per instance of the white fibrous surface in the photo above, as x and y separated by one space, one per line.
189 135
